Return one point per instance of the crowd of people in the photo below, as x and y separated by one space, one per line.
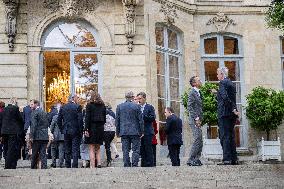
73 131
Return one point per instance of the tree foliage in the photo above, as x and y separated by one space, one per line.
265 109
275 15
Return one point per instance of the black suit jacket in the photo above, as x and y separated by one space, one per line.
174 130
94 113
27 111
149 117
70 119
12 121
226 98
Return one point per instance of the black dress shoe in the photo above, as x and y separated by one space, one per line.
53 165
99 166
193 164
235 163
225 163
199 162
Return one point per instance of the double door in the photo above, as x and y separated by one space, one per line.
69 72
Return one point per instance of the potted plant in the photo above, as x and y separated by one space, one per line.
265 111
211 147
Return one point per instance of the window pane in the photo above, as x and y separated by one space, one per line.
174 89
173 64
159 31
237 136
176 107
162 133
161 109
283 46
85 74
211 70
56 82
161 86
173 40
160 63
210 45
283 74
240 109
231 45
238 90
70 35
234 70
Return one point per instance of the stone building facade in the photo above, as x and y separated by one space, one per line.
141 45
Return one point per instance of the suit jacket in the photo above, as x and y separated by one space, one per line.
12 121
27 111
70 119
58 136
149 117
39 125
194 105
129 119
174 130
226 98
95 117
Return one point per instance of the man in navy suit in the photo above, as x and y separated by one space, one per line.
148 112
174 135
227 115
70 123
27 111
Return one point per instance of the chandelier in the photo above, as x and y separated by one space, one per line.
59 89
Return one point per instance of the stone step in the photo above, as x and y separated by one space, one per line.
165 176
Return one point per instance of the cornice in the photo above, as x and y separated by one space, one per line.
181 5
201 9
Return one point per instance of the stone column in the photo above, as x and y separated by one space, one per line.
34 73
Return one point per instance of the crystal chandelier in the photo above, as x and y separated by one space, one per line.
59 89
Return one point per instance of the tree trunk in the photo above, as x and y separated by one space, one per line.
267 135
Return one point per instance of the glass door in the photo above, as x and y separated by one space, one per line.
85 73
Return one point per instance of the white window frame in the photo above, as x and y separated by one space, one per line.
73 52
221 58
167 52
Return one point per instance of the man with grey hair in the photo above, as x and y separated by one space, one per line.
70 123
227 115
130 127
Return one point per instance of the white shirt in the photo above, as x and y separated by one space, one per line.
197 90
142 107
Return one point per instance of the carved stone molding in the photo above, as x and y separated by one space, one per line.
72 8
11 10
130 30
169 10
221 22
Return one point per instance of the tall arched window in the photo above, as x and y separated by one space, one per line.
168 57
224 50
70 62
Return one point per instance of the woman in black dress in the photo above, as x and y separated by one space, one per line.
94 127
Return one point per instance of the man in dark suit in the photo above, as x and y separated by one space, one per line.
227 114
12 130
39 135
148 112
70 123
174 135
27 111
130 127
195 118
